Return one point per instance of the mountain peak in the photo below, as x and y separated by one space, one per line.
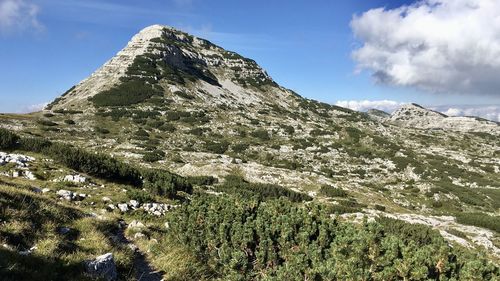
162 59
417 116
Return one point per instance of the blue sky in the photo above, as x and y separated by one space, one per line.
303 46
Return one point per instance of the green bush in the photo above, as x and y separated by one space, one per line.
141 133
184 95
261 134
103 166
127 93
167 128
240 147
46 123
480 220
280 240
331 191
153 156
100 130
164 183
238 185
201 180
217 147
69 122
140 195
8 140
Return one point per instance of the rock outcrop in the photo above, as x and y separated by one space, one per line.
102 267
416 116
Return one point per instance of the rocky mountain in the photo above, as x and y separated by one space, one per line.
414 115
172 61
231 140
378 115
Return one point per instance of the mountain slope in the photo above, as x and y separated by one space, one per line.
414 115
172 101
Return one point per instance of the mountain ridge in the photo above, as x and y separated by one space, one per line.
182 104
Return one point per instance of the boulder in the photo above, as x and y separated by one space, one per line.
45 190
136 224
134 204
102 267
123 207
65 194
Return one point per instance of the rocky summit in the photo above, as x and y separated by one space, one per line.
231 176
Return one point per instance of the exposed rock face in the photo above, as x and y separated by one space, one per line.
216 74
109 74
21 161
102 267
75 178
378 115
416 116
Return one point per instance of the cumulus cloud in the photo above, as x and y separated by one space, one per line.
364 105
490 112
450 46
34 107
16 15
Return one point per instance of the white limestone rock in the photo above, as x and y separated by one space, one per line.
102 267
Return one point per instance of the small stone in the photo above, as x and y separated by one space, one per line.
106 199
136 224
123 207
45 190
111 207
139 235
134 204
36 190
102 267
63 230
65 194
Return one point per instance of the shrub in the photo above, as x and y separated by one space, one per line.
127 93
140 195
102 166
153 156
246 240
69 122
141 133
240 147
480 220
261 134
100 130
167 128
201 180
164 183
331 191
46 123
217 147
238 185
8 140
184 95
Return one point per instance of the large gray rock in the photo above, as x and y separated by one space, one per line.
65 194
102 267
123 207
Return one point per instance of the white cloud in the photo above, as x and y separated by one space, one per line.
34 107
16 15
490 112
448 46
364 105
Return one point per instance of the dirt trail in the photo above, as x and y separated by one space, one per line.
144 271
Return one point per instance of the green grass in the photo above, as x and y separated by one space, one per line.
31 220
